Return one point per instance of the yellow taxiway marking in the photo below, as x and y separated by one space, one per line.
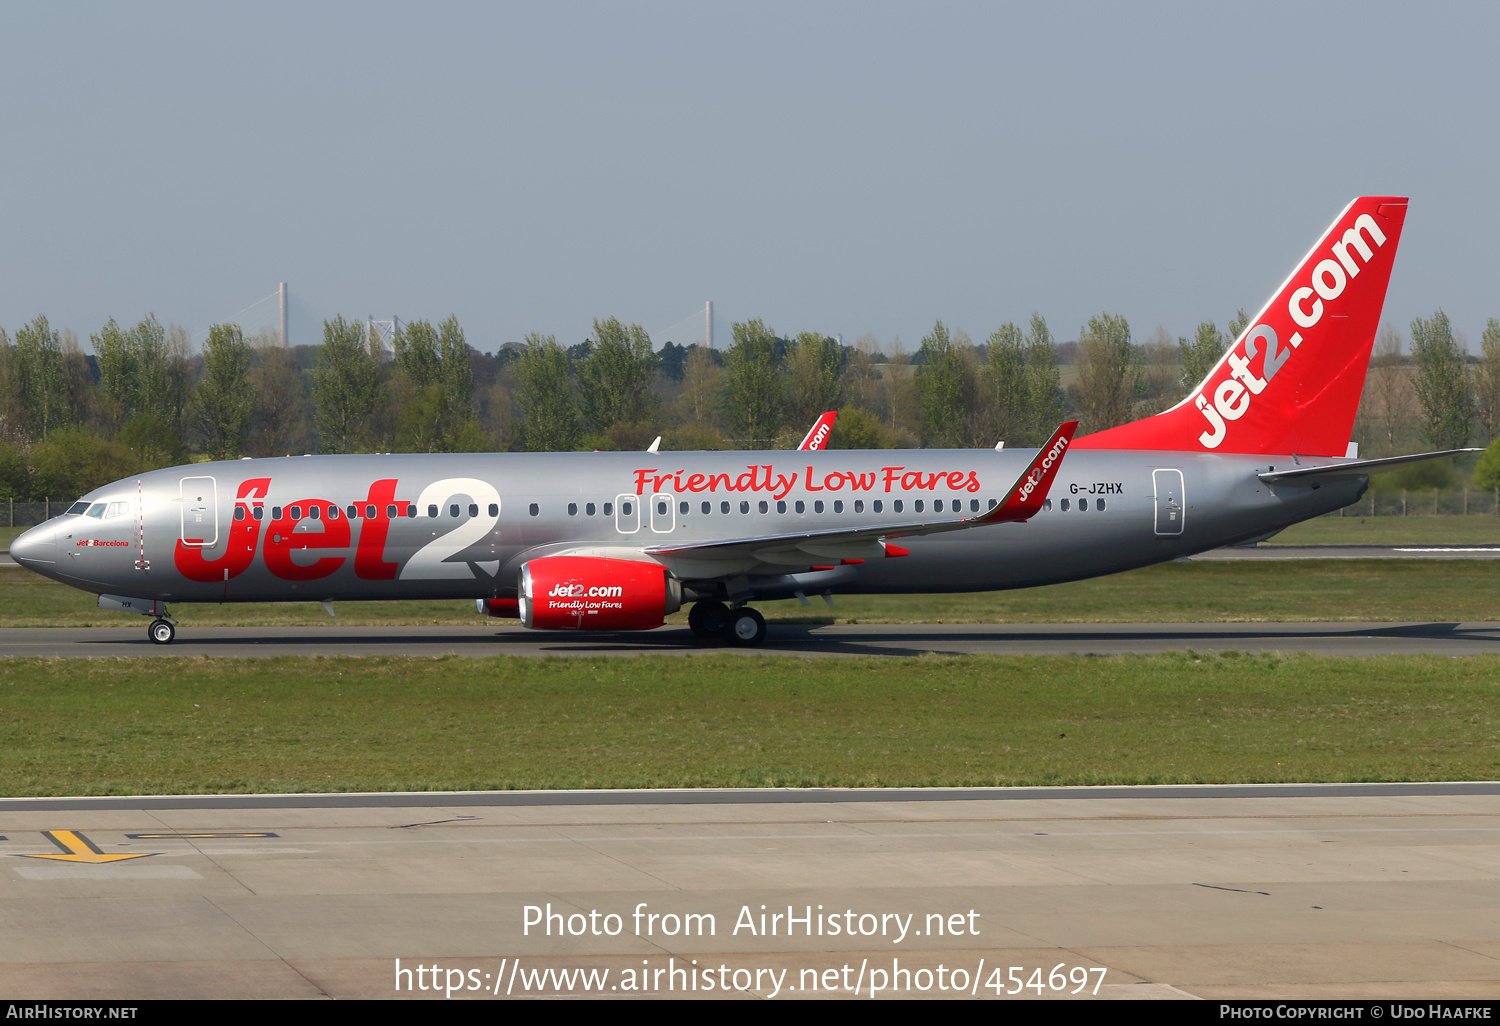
77 848
220 834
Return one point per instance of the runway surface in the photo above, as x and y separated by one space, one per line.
1348 639
1278 552
1322 891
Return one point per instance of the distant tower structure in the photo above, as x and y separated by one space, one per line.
283 315
708 323
381 335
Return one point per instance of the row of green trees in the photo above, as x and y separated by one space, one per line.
144 398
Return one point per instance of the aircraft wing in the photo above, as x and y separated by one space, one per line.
817 435
1023 500
1351 468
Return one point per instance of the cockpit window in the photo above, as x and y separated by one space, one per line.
116 509
77 508
96 510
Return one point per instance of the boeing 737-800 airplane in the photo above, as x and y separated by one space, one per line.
618 541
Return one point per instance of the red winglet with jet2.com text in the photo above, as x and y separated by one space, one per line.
817 437
1025 498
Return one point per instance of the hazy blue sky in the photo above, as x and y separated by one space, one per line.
847 168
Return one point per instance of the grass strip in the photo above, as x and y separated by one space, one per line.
70 726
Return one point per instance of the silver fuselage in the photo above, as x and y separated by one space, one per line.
190 534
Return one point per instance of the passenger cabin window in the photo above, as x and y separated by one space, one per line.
879 506
609 509
591 509
473 509
333 512
897 506
495 509
535 510
295 512
453 510
682 507
661 509
1100 505
763 507
818 506
1083 505
275 512
994 503
259 512
724 507
1046 505
838 505
801 506
859 505
781 507
313 512
411 509
572 509
239 512
353 511
390 511
1063 505
432 512
708 507
937 505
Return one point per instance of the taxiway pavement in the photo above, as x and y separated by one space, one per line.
1321 891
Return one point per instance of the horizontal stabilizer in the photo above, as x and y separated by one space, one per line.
1351 468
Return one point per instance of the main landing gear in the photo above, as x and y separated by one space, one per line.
713 619
161 632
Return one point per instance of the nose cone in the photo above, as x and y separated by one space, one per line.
36 547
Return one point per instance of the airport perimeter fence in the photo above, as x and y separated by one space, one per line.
29 514
1443 502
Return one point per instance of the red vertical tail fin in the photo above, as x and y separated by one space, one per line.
1291 383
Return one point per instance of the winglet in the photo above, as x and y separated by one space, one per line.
1025 498
817 438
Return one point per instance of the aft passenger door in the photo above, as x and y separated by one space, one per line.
1169 502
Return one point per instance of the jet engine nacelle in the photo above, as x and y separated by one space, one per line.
590 593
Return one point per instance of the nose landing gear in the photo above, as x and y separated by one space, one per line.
161 632
713 619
